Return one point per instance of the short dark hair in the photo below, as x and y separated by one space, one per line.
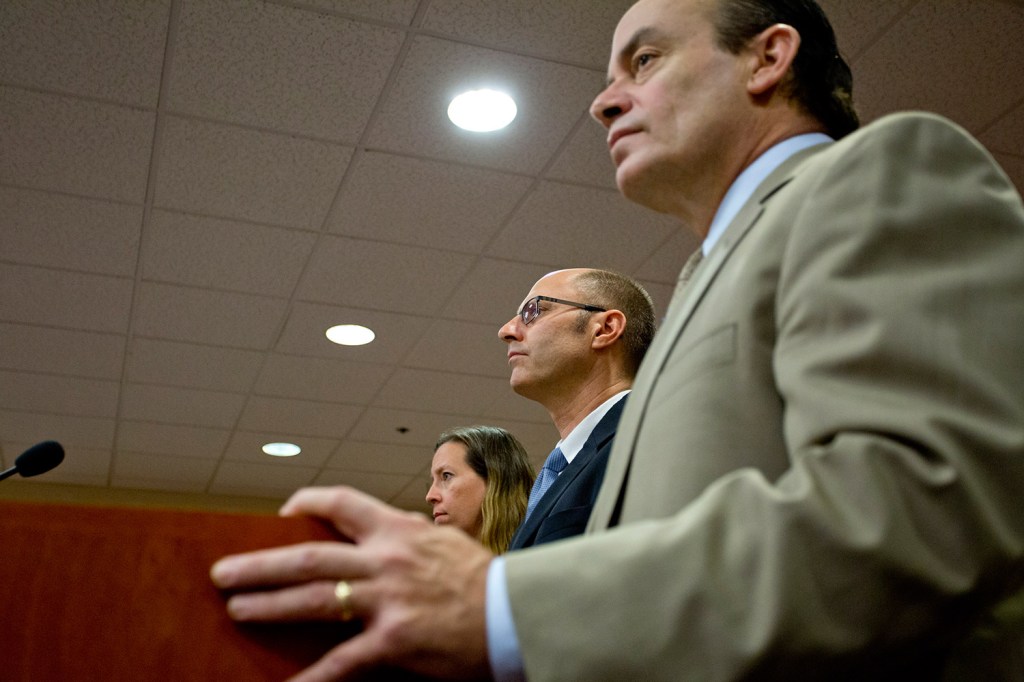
615 291
821 80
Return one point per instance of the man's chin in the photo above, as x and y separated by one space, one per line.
520 386
630 181
642 194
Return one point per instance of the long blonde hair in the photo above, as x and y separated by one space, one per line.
501 460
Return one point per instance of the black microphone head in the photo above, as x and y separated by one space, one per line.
39 458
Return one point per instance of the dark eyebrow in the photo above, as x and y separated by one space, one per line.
641 36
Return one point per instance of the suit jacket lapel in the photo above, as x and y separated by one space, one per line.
680 310
604 430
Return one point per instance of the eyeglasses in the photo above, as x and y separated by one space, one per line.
531 309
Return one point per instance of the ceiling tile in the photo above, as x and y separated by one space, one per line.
508 404
304 333
585 158
352 272
279 67
172 405
330 380
58 394
1014 167
213 317
424 203
1005 134
247 446
171 439
247 174
668 259
261 480
382 425
899 70
461 347
412 389
661 294
399 11
221 254
577 31
354 455
160 472
61 351
107 50
172 363
494 290
69 430
557 221
413 497
59 231
298 417
413 119
859 24
74 146
382 486
66 299
538 438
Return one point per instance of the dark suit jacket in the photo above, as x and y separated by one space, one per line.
566 505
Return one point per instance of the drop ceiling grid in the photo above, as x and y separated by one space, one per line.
254 165
201 183
946 40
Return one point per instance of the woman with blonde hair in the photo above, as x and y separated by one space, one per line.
480 482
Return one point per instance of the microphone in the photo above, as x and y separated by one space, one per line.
38 459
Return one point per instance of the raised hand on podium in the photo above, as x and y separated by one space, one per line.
418 589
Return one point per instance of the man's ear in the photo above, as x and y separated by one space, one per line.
613 324
773 51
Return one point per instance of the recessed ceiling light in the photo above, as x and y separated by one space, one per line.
350 335
282 449
482 111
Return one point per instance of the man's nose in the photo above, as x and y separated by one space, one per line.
511 331
607 106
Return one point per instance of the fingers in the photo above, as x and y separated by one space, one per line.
354 514
316 600
292 564
343 661
402 577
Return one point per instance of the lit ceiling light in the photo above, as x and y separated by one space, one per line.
350 335
482 111
282 449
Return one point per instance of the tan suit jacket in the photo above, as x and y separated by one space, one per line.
820 472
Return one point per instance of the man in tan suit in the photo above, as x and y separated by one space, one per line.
820 471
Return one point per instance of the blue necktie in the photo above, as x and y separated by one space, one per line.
553 466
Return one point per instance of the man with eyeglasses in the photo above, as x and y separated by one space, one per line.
574 347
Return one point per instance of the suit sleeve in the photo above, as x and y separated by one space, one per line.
899 359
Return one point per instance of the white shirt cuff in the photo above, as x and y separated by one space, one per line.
502 643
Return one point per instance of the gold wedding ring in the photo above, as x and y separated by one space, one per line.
342 592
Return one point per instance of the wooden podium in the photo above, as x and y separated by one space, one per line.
110 594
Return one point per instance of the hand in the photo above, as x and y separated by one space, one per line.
419 589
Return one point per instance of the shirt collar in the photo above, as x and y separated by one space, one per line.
573 443
743 187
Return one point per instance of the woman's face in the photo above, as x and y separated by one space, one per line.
456 491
